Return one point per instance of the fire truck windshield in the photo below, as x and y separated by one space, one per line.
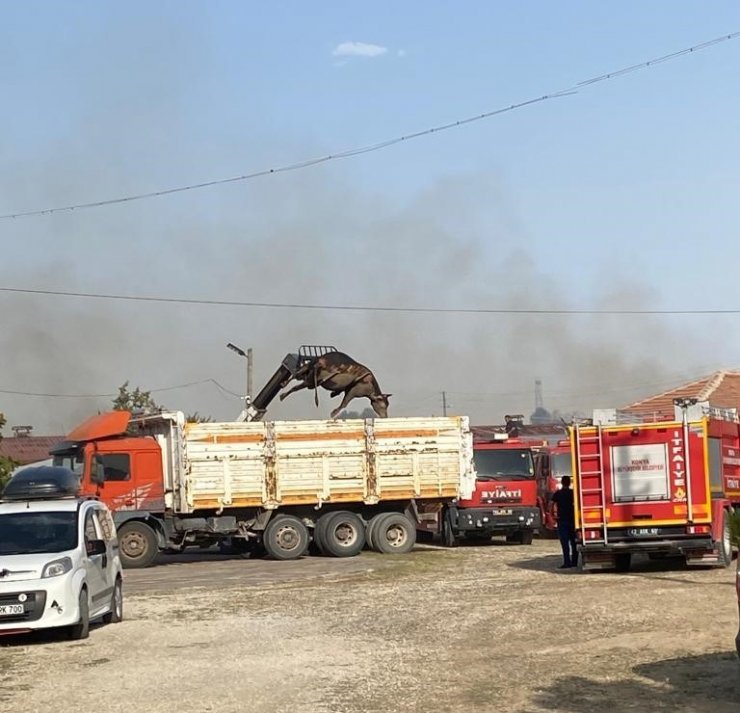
504 464
560 465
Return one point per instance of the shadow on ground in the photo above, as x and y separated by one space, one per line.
709 683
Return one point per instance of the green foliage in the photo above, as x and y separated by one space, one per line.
134 400
366 413
735 527
197 418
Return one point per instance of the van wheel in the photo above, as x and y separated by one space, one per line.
394 534
81 630
138 544
285 538
115 615
343 535
724 546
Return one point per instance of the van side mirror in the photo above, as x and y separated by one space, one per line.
98 471
95 547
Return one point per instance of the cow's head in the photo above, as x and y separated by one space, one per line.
380 404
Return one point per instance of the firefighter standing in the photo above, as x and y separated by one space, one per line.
562 500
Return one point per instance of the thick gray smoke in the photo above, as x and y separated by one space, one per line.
302 238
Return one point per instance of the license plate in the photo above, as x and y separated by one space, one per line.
11 609
502 512
643 531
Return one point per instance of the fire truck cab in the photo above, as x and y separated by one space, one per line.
505 498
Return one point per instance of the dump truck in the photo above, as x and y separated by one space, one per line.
665 488
276 485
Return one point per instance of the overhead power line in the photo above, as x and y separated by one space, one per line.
11 392
573 89
366 308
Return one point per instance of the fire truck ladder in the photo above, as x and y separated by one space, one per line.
590 470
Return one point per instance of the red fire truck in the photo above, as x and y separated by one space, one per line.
553 463
661 488
505 498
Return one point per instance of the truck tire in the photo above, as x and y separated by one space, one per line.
285 538
343 535
622 561
318 533
370 529
527 537
138 543
724 546
394 533
449 539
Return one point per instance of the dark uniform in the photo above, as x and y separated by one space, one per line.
563 499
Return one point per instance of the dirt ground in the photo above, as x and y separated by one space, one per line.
487 628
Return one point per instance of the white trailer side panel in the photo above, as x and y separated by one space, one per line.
308 462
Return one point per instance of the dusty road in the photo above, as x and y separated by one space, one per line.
476 629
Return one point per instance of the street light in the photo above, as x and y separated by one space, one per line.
250 363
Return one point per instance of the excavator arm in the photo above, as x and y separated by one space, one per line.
287 370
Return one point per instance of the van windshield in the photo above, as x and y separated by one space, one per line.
25 533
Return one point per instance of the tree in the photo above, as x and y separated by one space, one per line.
197 418
136 400
7 465
366 413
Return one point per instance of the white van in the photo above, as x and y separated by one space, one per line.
59 559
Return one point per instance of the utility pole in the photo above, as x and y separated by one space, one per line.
250 372
250 367
444 403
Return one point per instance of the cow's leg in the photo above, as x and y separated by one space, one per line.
285 394
348 396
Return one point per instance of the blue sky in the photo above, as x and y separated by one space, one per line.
625 193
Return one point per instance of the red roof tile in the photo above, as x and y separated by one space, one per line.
721 389
28 449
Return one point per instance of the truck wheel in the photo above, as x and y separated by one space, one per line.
318 533
724 546
527 537
448 534
81 630
138 544
622 561
115 615
285 538
343 535
370 529
394 534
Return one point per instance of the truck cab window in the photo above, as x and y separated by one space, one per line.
117 466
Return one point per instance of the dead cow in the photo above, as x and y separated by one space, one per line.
338 373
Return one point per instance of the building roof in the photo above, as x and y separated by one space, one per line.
551 432
28 449
721 389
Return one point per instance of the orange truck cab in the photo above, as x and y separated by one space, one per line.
662 488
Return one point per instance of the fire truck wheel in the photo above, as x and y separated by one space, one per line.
724 546
343 535
622 561
285 538
394 533
527 537
138 544
448 534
